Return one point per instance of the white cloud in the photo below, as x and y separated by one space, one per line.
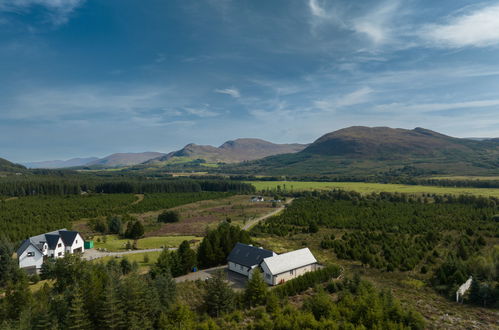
478 28
376 25
316 9
356 97
59 11
433 107
229 91
200 112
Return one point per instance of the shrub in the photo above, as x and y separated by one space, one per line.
169 217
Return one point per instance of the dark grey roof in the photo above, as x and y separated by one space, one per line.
52 241
23 247
68 236
248 255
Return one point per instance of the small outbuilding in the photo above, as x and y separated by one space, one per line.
280 268
244 258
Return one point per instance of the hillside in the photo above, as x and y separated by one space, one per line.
365 151
6 166
230 152
61 163
123 159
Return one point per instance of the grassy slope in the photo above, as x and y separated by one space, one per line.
366 188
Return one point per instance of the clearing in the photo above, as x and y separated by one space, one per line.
116 244
196 218
367 188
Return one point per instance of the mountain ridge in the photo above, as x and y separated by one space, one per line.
232 151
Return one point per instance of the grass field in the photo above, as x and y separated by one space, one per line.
366 188
138 257
114 243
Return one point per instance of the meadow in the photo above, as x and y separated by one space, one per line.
114 243
367 188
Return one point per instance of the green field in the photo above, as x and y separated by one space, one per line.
114 243
366 188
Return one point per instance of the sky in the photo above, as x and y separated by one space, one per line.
83 78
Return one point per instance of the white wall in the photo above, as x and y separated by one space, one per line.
58 250
36 260
78 243
286 276
239 268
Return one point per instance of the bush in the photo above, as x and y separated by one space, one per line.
307 280
169 217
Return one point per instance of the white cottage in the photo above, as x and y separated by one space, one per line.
34 250
284 267
244 258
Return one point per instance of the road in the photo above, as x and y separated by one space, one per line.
95 254
253 222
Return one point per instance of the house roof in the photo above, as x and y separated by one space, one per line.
288 261
24 246
68 236
248 255
51 238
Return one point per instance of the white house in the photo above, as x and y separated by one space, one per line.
34 250
280 268
244 258
257 199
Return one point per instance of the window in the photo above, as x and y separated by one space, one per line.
291 272
59 254
30 254
59 245
76 241
267 276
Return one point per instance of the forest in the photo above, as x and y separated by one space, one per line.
27 216
113 295
446 239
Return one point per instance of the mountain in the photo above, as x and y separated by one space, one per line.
6 166
368 150
61 163
123 159
230 152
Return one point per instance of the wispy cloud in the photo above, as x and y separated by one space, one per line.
434 107
58 11
229 91
476 28
202 112
316 9
356 97
377 24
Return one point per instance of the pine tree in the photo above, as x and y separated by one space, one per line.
256 289
166 289
219 296
187 257
112 309
77 318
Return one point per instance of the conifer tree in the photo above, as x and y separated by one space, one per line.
219 296
77 318
256 289
112 309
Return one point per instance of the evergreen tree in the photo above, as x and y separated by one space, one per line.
256 289
112 310
166 289
77 318
18 297
219 297
8 267
187 257
475 294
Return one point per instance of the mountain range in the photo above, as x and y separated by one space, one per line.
233 151
350 151
362 150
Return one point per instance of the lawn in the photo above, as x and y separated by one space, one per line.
114 243
138 257
366 188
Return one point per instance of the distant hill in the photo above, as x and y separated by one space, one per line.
230 152
123 159
6 166
368 150
61 163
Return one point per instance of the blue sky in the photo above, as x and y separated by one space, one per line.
90 78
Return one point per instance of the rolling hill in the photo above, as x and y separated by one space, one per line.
9 167
230 152
368 150
123 159
51 164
